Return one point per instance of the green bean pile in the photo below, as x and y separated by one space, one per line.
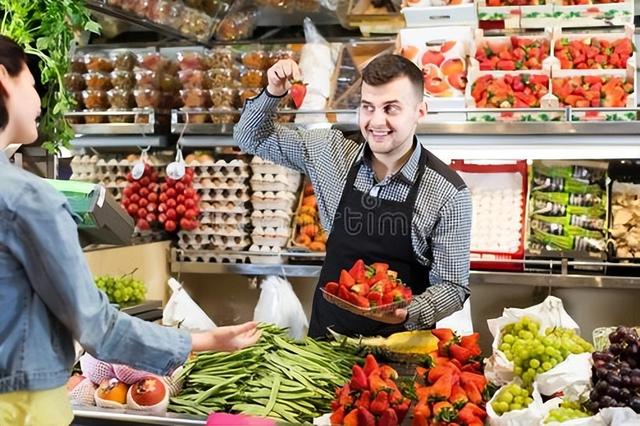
277 378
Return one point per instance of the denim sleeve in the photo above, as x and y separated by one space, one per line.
45 240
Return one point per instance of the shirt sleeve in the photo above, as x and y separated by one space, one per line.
256 133
47 246
449 274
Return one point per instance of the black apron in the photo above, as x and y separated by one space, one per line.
374 230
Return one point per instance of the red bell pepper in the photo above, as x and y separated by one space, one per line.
380 404
359 379
366 418
351 419
388 418
370 365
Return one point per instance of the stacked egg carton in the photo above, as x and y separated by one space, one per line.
274 194
223 190
83 168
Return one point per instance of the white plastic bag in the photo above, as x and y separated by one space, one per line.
181 311
279 305
459 321
550 313
574 373
530 416
619 417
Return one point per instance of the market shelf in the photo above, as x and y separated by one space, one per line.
534 279
107 416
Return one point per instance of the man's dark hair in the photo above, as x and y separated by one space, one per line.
386 68
14 59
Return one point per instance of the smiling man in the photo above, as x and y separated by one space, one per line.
382 196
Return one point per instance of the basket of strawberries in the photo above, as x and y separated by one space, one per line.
368 290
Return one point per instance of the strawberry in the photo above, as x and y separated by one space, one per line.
332 288
359 379
346 279
298 91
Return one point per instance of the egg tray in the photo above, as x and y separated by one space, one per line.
267 255
188 246
273 200
84 177
275 182
271 222
220 183
201 172
203 256
272 169
262 240
235 219
84 163
224 194
229 207
230 231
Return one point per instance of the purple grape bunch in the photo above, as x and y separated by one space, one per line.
616 372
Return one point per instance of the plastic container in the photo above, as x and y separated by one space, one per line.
135 7
195 98
169 83
280 54
77 64
195 115
253 78
196 24
94 119
74 81
97 62
255 59
124 80
121 99
95 99
167 13
77 96
221 58
119 118
146 79
97 81
193 79
192 61
123 61
245 94
147 98
152 61
222 77
230 116
238 25
143 117
224 97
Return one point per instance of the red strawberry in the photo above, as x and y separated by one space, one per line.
298 91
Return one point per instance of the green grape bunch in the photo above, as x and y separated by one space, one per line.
511 397
533 353
124 290
568 410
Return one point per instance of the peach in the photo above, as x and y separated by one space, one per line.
452 66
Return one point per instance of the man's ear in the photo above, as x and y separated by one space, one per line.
422 109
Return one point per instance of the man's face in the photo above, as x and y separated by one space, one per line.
389 115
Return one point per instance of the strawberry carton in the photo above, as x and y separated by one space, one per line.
610 94
510 53
441 53
510 90
368 289
509 13
590 13
606 50
431 13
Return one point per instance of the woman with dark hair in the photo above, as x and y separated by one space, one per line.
47 293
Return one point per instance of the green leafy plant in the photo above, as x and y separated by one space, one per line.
46 29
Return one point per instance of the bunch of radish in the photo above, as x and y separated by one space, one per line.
179 204
140 198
